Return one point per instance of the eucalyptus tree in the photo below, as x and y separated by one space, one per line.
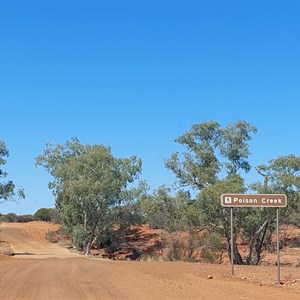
199 165
7 189
282 175
207 143
212 164
89 183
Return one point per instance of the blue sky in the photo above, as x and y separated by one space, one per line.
135 75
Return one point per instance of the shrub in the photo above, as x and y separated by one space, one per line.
211 247
43 214
180 247
25 218
10 218
150 257
52 236
78 237
57 236
47 215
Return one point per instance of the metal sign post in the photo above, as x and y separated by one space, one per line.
278 253
231 240
254 200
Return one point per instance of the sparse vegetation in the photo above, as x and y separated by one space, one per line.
14 218
51 236
150 257
97 193
47 215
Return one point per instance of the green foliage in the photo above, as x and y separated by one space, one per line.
25 218
57 236
51 236
282 175
211 247
44 214
110 240
214 217
199 165
89 185
234 146
212 164
95 191
131 213
9 218
162 210
176 247
79 236
176 251
206 143
192 246
13 218
7 189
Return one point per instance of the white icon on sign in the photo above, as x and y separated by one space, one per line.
228 200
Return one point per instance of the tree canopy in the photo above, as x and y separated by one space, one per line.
207 143
89 184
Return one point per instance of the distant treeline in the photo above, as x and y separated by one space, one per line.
42 214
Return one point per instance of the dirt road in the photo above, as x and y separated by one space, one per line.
28 240
58 274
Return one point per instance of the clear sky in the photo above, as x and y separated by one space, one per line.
135 75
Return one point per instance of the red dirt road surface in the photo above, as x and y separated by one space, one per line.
52 272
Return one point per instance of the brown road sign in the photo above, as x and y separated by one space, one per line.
253 200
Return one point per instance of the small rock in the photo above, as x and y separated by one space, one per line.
210 277
244 278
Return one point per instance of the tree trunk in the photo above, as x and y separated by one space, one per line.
91 237
261 243
88 247
85 221
237 258
253 256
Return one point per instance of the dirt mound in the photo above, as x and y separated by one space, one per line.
131 243
144 243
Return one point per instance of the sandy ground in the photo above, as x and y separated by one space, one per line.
41 270
28 240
